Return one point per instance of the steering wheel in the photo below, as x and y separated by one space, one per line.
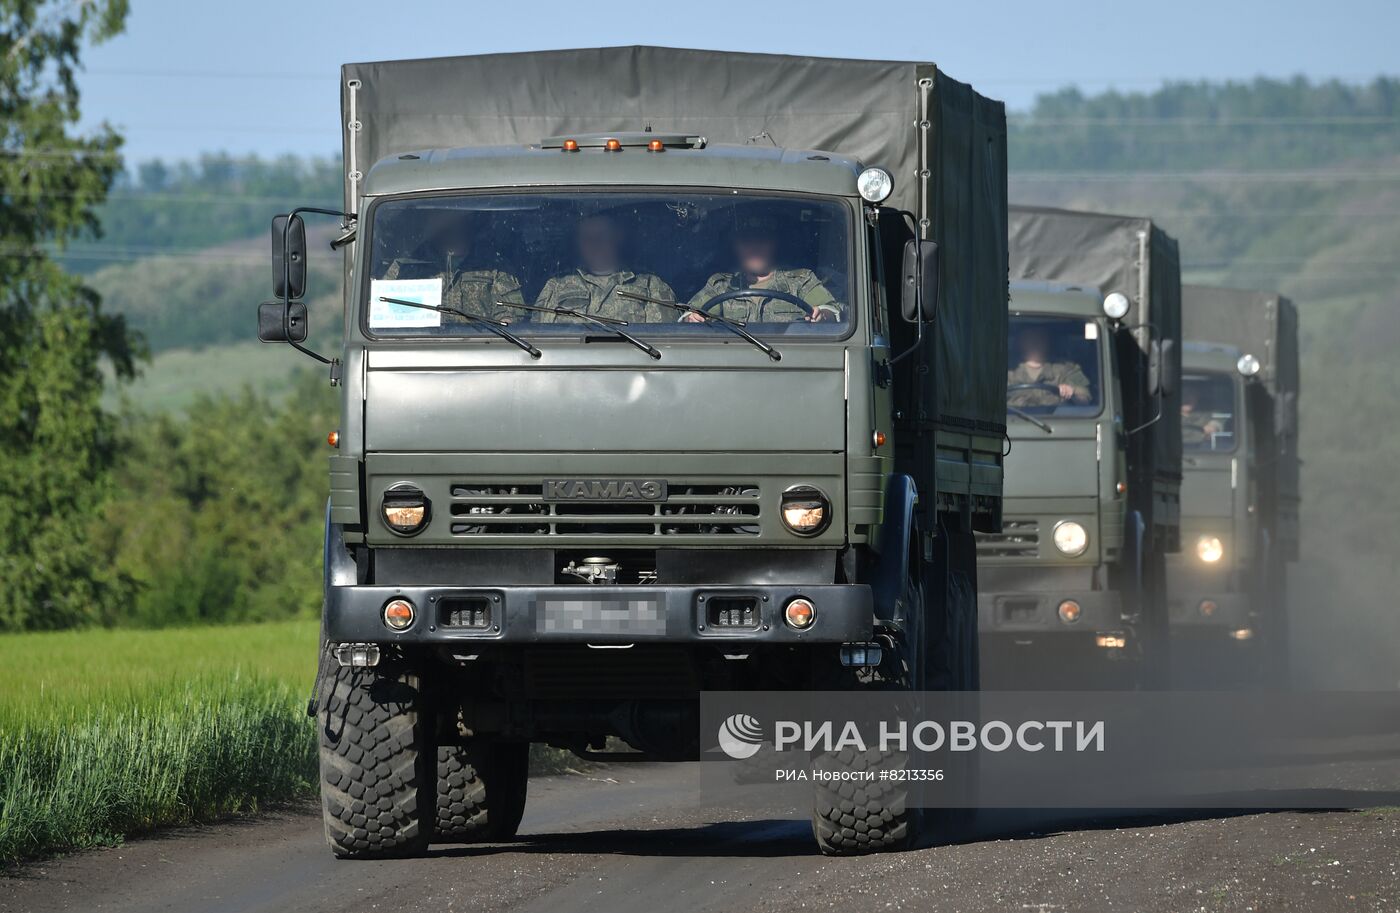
758 293
1048 388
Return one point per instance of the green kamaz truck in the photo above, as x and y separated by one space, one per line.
1073 585
663 371
1240 496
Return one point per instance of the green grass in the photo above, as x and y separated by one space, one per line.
106 734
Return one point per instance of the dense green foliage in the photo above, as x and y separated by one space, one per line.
183 208
1183 127
55 438
217 514
106 733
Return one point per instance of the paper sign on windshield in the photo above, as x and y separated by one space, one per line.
386 316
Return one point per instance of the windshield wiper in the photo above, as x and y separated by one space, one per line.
608 324
734 326
1031 418
495 326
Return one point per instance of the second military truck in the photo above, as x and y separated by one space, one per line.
1073 586
1239 497
663 371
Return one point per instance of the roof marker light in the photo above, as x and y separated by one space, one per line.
656 146
613 145
570 145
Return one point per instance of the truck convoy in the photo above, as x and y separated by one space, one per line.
1239 497
1073 587
663 371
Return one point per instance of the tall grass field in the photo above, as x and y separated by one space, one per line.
104 734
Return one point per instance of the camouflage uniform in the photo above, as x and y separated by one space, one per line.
475 291
756 309
597 295
1052 373
1194 433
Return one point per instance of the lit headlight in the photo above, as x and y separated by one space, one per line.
806 511
875 185
405 509
1071 538
1210 549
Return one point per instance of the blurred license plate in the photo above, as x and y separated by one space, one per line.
629 617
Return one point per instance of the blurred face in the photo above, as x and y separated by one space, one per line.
450 232
1035 344
598 242
756 254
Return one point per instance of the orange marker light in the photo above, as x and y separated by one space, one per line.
613 145
570 145
333 439
398 614
880 439
656 146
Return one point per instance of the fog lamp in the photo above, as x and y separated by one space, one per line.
1069 611
1248 365
800 613
806 511
405 509
875 185
1071 538
1112 641
1210 549
398 614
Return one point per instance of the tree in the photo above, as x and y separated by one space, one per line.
55 439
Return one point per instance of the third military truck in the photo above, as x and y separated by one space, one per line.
1239 497
1073 585
663 371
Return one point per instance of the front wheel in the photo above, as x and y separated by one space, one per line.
481 790
376 782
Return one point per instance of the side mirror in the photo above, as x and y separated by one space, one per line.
273 328
1169 369
1154 367
918 299
289 271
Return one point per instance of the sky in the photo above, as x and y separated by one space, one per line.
260 76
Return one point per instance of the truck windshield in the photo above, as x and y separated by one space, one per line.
1053 365
779 264
1207 412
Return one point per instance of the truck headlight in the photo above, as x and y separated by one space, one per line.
806 511
1071 538
405 509
875 185
1210 549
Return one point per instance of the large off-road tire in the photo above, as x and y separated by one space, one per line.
376 776
856 817
480 791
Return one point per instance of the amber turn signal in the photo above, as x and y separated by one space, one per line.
398 614
333 439
879 439
800 613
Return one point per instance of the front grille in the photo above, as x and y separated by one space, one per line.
1017 539
520 509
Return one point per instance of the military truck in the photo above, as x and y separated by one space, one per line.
663 371
1240 495
1072 586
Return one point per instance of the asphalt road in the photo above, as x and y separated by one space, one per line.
643 838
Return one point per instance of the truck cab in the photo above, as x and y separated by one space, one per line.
1049 585
1214 582
630 415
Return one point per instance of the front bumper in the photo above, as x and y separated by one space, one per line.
597 614
1232 611
1035 615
